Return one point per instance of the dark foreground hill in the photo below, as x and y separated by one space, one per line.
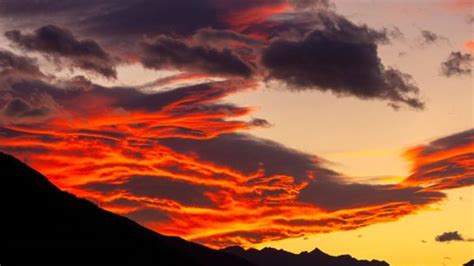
274 257
44 225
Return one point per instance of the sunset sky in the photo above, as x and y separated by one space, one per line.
345 125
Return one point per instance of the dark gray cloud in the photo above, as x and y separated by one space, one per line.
128 20
457 64
310 47
145 215
10 62
460 139
341 58
158 187
29 8
230 149
260 122
166 52
312 3
296 25
136 18
335 196
429 37
59 42
128 98
451 236
213 37
18 108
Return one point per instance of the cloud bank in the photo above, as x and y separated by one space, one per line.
180 160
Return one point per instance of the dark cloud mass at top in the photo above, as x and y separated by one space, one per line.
302 43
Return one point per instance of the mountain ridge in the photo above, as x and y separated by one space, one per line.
45 225
52 226
279 257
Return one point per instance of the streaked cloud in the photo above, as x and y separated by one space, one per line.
172 153
177 162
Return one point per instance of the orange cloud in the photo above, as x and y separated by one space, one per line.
177 162
443 164
470 46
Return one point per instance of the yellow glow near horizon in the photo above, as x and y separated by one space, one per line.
402 242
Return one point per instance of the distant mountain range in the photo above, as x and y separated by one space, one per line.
274 257
44 225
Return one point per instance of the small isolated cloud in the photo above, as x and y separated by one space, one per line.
429 37
451 236
59 42
457 64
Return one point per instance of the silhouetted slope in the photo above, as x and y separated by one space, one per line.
42 224
274 257
469 263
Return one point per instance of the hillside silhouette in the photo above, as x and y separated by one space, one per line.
44 225
274 257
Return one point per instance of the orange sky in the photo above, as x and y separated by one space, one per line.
190 146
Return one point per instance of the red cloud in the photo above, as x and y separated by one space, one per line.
173 161
241 19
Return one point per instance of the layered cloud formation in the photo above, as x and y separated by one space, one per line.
179 160
303 45
175 161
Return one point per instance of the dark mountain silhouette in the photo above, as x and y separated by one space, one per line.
48 226
44 225
469 263
274 257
